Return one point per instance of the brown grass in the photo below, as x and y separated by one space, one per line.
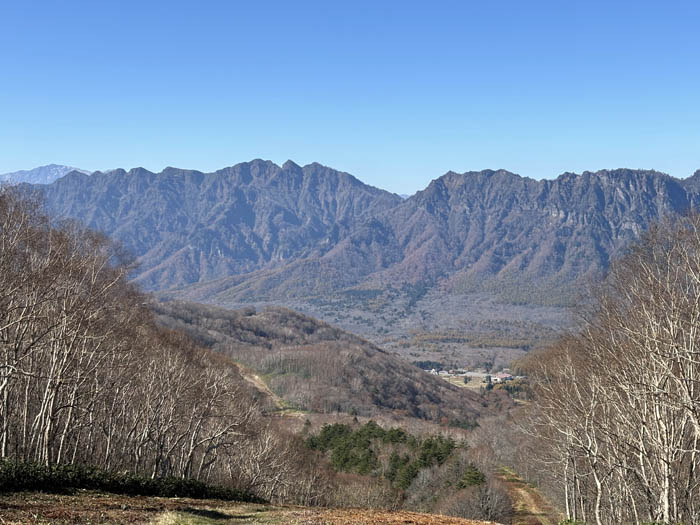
31 508
372 517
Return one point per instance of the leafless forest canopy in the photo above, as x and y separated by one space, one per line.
86 376
617 406
315 367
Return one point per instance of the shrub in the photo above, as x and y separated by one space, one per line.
18 476
472 476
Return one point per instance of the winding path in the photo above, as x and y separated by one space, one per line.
529 506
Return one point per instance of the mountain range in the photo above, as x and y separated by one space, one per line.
258 231
188 227
474 270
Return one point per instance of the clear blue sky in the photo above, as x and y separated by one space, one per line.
396 93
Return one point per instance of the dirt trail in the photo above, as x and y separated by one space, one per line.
280 408
530 508
259 384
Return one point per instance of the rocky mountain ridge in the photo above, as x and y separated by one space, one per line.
185 226
258 231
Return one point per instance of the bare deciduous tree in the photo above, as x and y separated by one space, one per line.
617 404
87 377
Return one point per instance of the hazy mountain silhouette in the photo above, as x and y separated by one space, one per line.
41 175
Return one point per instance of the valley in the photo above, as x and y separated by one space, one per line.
315 367
349 263
460 330
497 258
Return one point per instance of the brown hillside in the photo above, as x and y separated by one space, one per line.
314 366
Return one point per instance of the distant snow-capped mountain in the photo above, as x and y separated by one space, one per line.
40 175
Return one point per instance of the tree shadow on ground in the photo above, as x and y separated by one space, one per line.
206 513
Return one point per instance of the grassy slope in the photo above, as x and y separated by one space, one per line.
85 507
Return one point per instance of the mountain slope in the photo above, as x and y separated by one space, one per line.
187 227
490 223
257 231
482 230
317 367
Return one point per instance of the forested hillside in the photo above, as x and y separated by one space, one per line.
314 366
88 378
617 405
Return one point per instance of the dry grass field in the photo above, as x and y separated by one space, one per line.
90 508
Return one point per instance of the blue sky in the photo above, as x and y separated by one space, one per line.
396 93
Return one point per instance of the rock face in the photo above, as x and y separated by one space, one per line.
484 224
187 227
259 231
